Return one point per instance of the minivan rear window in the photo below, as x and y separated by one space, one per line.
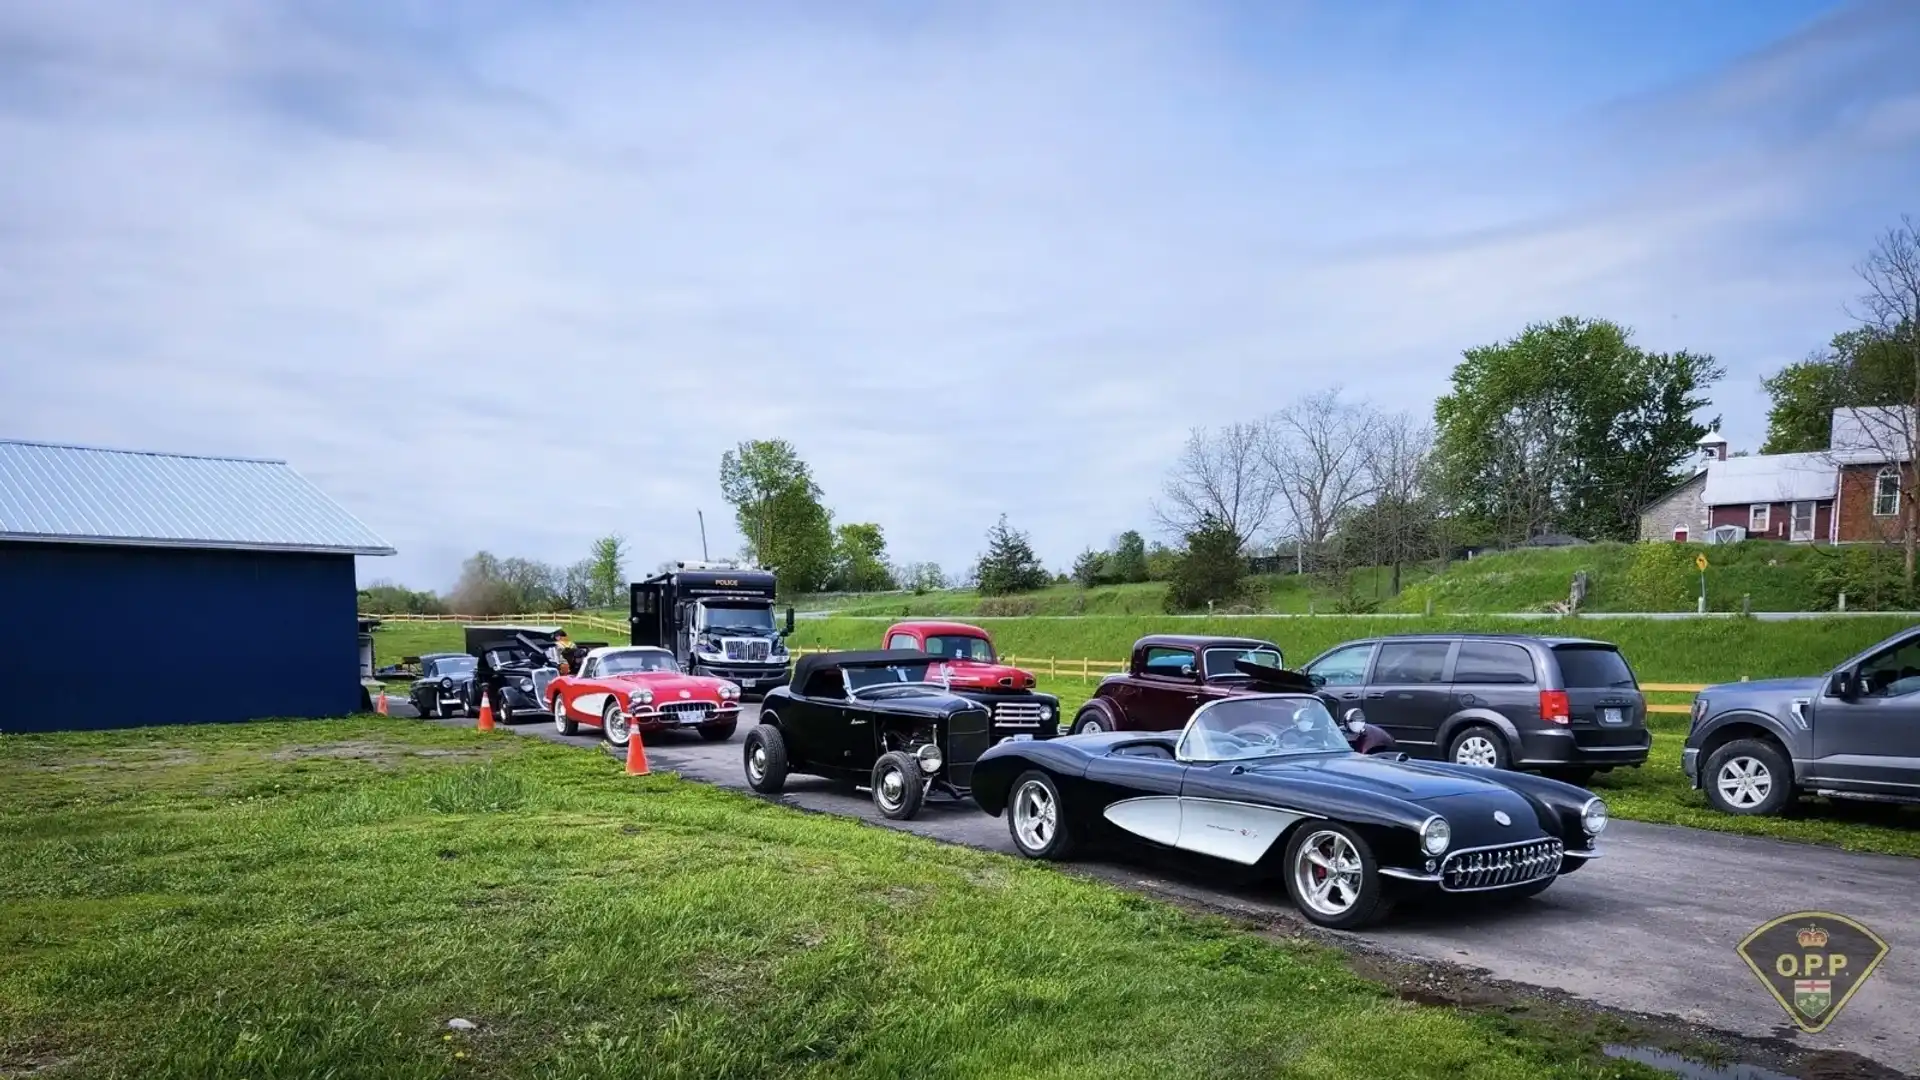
1586 667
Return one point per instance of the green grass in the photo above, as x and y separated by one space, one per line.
317 899
1279 593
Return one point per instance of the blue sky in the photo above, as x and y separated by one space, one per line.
513 275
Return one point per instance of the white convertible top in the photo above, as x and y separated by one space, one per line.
609 650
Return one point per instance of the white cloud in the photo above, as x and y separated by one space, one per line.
516 282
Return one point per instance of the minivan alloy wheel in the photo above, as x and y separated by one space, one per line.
1476 750
1744 781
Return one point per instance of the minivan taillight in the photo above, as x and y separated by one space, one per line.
1554 707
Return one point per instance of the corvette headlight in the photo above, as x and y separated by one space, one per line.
640 697
1435 835
930 759
1593 817
728 690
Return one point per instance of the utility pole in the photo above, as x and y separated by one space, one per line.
703 534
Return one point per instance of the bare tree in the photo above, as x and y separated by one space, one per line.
1890 310
1315 450
1222 475
1398 461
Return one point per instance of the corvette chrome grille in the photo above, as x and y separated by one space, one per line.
1499 867
688 712
1017 714
751 650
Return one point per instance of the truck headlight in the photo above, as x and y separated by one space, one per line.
1046 713
1593 817
527 685
1435 835
446 684
930 759
640 697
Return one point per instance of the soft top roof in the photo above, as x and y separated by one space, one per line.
805 667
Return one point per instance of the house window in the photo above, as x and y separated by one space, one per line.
1757 518
1886 492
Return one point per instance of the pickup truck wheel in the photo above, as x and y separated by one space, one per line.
766 759
899 787
1090 722
1479 745
1749 777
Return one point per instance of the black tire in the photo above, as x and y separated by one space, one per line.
1366 898
563 719
1090 721
1759 759
899 787
609 720
1579 777
502 712
719 732
1492 747
1056 842
769 776
430 709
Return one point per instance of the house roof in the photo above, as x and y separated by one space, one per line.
86 495
1772 478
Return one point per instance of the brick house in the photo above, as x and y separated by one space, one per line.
1847 494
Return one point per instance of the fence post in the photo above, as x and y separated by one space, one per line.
1052 668
1086 673
1843 601
1429 607
1746 603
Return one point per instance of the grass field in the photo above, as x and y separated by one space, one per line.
318 899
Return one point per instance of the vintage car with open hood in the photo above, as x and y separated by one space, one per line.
871 719
971 668
513 666
639 688
1269 783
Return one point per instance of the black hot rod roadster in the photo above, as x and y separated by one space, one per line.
1269 782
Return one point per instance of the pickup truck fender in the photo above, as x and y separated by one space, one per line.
1721 728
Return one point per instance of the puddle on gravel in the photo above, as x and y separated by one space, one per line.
1689 1069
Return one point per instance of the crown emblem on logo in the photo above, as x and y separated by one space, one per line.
1812 937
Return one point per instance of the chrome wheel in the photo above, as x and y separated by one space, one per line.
757 763
614 723
1036 816
1477 750
559 714
1090 726
1327 874
1744 782
892 790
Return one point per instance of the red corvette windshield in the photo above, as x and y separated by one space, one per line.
626 663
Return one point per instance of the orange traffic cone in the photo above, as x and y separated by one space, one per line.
636 756
486 714
380 706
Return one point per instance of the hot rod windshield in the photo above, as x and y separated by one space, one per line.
1237 729
861 678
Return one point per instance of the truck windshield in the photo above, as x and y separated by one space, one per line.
718 617
960 647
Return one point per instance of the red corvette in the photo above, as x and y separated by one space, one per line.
623 689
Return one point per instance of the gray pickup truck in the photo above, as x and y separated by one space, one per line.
1853 733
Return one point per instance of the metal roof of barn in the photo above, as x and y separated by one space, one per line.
86 495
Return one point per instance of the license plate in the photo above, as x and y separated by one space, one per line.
1612 716
749 682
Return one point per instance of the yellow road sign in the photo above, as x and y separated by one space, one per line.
1700 561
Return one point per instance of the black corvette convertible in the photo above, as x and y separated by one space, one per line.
1269 782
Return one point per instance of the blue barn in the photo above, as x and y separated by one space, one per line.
140 588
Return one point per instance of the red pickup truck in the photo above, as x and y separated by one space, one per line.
974 670
1171 675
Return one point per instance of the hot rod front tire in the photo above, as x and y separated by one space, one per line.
1037 817
899 785
766 759
1333 878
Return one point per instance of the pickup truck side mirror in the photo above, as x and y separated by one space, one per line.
1841 685
789 622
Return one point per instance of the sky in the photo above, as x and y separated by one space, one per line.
513 275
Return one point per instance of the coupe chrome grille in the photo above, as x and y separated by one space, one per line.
1017 714
688 712
1499 867
751 650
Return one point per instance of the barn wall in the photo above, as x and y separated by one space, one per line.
95 637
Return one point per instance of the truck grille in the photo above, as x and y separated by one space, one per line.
752 650
1017 714
1499 867
687 712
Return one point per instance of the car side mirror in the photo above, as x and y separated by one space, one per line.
1841 685
1356 721
789 622
1317 680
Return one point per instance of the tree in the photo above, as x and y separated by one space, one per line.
1211 570
1862 366
777 507
489 585
578 588
860 559
921 577
1090 568
1400 525
386 598
1315 451
1220 476
607 572
1888 372
1567 427
1128 562
1162 561
1009 564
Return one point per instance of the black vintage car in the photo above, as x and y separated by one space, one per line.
869 718
1269 783
513 665
445 685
